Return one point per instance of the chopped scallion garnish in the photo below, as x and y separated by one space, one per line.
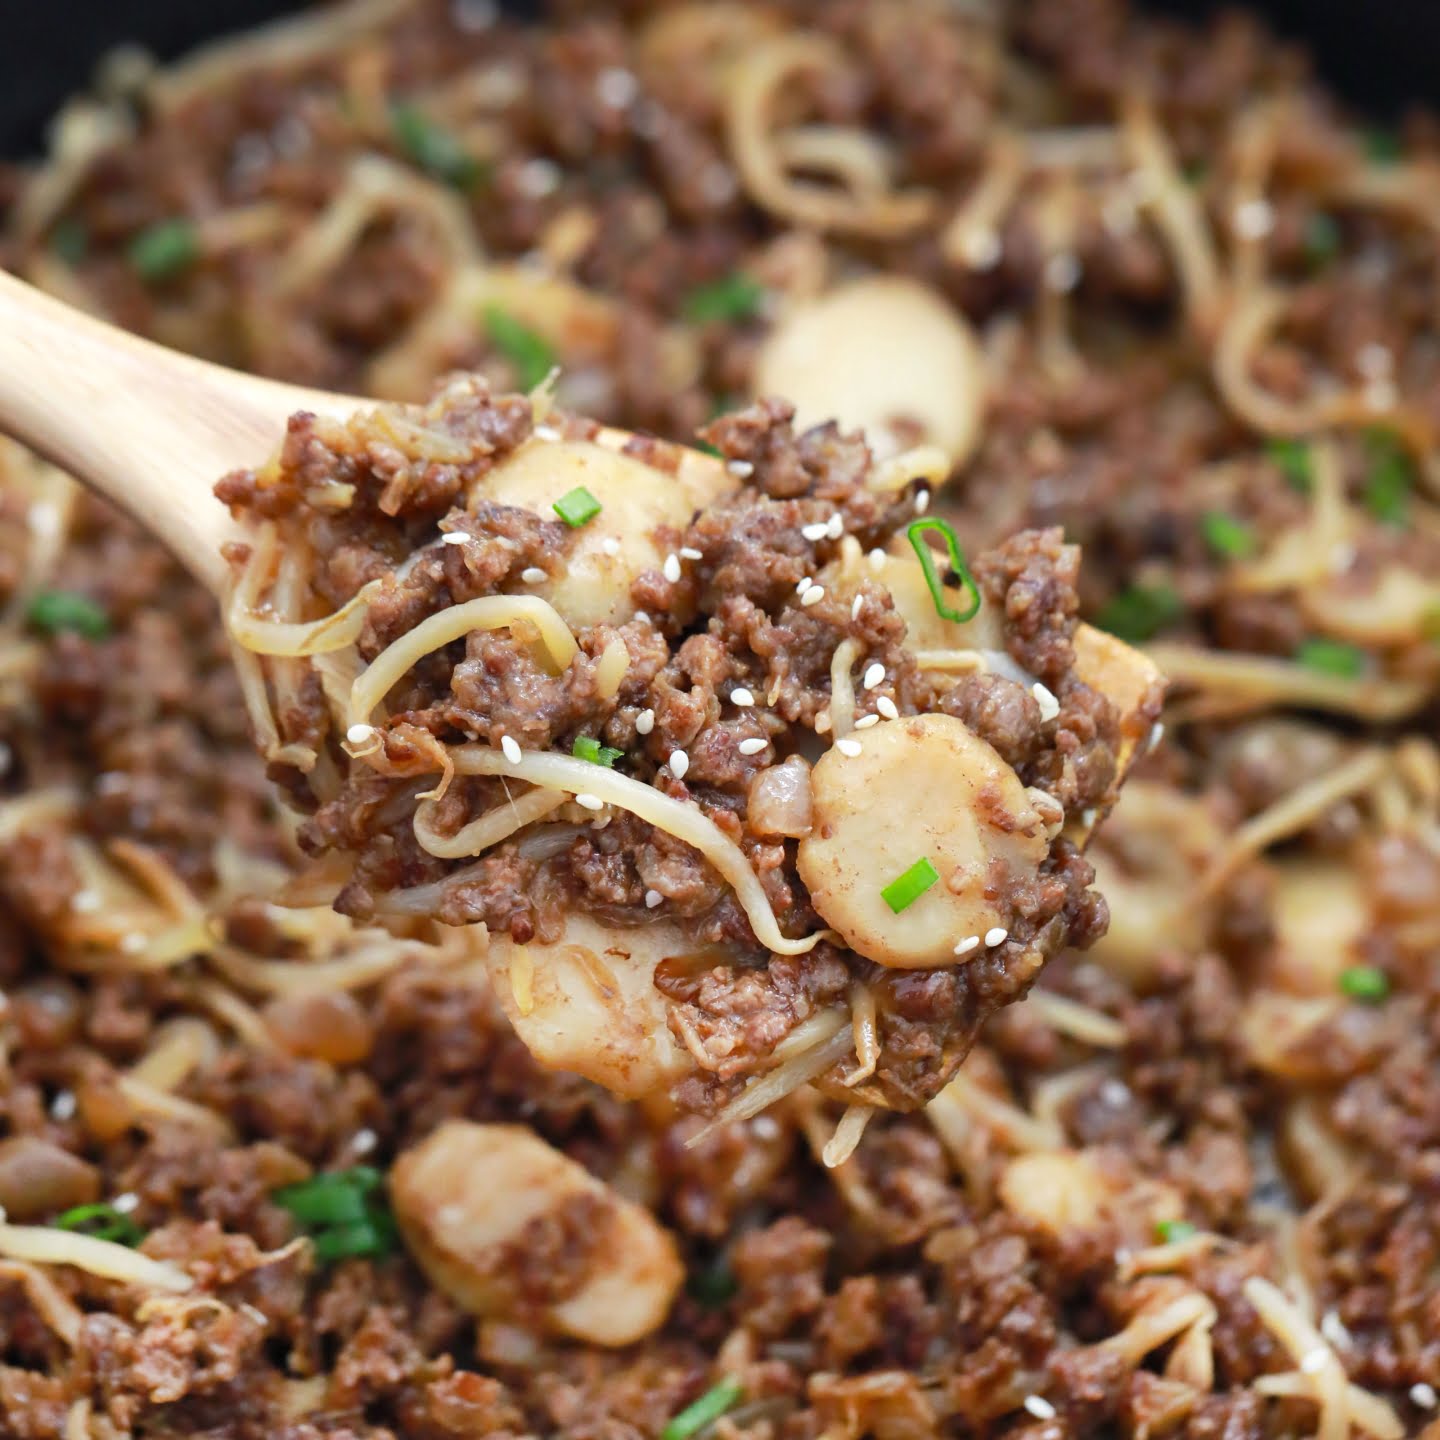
903 891
1292 457
164 249
103 1222
736 297
434 149
1169 1232
1390 479
1226 535
1364 982
344 1212
1332 657
586 747
69 239
528 352
704 1411
55 610
576 507
1321 238
1141 612
916 531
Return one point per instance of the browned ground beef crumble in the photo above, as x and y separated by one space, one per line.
911 1295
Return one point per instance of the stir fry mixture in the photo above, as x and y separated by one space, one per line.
1080 276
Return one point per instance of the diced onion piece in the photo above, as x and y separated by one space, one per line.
1321 914
779 800
1392 611
1059 1190
928 786
875 351
467 1196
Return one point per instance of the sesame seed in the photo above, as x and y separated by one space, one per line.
359 734
533 575
996 936
1115 1093
642 617
362 1142
740 469
836 528
922 501
866 721
874 674
679 763
1045 699
1157 734
455 537
610 545
817 531
969 943
125 1203
1424 1395
510 748
652 899
813 596
85 902
546 432
672 568
848 747
63 1106
1039 1407
981 249
689 552
1087 816
1314 1361
616 88
539 177
589 801
132 943
856 605
804 585
877 558
1254 219
741 696
752 746
887 707
1062 272
644 722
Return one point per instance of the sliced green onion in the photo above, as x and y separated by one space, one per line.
1171 1231
69 240
434 149
1226 535
713 1285
586 747
343 1211
1332 657
705 1411
528 352
1390 479
1293 459
906 889
164 249
736 297
1141 612
1321 238
917 530
1364 982
55 610
576 507
103 1222
333 1199
1383 146
358 1238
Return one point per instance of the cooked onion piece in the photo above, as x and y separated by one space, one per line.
587 1002
1321 914
1393 610
470 1197
918 363
923 786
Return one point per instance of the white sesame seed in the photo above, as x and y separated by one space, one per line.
533 575
1115 1093
765 1127
689 552
866 721
616 88
804 585
1062 272
671 569
1314 1361
969 943
63 1106
539 177
981 249
644 722
1087 816
877 558
1424 1395
848 747
642 617
125 1203
1045 699
610 545
589 801
887 707
1039 1407
1157 734
652 899
741 696
455 537
922 501
836 528
995 936
752 746
546 432
813 596
679 763
856 605
740 469
510 748
362 1142
874 675
359 734
133 943
85 902
816 531
1254 219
